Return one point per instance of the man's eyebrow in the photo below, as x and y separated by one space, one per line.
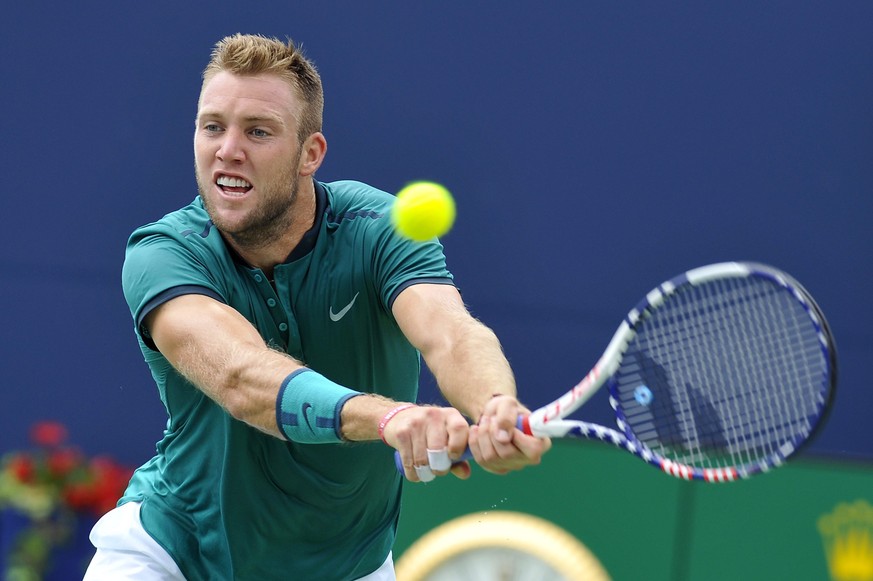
276 119
263 118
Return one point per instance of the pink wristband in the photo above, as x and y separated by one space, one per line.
387 418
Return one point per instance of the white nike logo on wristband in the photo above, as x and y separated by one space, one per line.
342 312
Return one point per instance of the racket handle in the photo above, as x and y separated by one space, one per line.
521 424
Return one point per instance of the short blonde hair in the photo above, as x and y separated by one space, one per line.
248 54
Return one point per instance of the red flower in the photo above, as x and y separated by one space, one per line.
109 484
63 474
79 496
62 462
48 434
23 468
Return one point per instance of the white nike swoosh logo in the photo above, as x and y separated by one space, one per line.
342 313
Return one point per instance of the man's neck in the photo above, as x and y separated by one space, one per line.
275 252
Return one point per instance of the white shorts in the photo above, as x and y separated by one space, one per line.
126 552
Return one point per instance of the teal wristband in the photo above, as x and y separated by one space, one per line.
308 408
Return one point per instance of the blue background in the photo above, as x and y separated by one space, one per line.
595 149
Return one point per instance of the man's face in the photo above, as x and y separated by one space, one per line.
247 155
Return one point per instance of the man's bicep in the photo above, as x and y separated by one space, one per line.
190 324
220 352
429 313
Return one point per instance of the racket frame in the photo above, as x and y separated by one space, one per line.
550 420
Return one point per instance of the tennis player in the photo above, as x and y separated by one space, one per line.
283 321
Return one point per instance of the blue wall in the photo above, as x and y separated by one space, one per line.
595 149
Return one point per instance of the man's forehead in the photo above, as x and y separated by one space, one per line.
252 95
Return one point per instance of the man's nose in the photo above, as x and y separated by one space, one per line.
231 148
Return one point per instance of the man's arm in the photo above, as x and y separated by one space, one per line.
222 353
219 351
473 374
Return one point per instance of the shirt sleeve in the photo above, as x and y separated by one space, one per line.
160 265
402 263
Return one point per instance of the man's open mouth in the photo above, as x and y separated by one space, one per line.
233 185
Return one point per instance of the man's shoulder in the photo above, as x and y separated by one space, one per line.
190 220
349 199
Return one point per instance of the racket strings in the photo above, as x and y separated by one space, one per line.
735 369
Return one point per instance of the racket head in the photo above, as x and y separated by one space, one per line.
725 372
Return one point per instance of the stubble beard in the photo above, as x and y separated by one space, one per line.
273 216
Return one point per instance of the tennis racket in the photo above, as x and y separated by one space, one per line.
718 374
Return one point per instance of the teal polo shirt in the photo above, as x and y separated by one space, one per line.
226 500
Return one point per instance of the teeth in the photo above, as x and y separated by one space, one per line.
231 182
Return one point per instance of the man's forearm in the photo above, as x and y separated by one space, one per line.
472 369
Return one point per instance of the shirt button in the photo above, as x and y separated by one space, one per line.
258 278
271 302
283 326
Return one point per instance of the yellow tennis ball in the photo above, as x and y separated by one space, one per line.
423 210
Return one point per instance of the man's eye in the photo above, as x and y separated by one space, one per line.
260 133
211 128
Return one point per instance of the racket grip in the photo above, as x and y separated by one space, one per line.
398 463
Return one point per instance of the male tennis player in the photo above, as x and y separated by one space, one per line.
282 320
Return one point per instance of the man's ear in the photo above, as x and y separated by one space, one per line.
314 149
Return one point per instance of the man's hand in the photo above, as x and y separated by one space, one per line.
430 440
498 445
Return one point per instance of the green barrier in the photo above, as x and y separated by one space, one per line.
643 524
